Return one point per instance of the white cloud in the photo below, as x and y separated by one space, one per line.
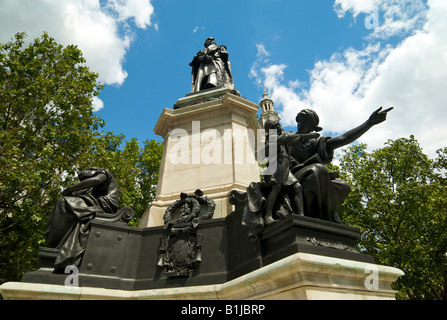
138 10
347 88
261 59
393 17
101 29
262 51
97 104
355 6
197 28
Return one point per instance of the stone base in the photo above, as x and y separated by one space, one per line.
204 96
300 276
296 258
209 143
125 258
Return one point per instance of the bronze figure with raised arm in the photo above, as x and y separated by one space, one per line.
323 191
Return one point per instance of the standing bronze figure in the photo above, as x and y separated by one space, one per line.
211 68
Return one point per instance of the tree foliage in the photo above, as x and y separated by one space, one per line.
399 202
48 133
135 168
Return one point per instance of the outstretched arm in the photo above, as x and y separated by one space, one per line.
376 117
85 184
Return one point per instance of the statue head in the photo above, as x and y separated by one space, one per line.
273 125
89 172
209 42
308 121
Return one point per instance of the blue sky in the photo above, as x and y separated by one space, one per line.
327 55
298 32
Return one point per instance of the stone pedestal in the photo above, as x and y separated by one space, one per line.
209 144
300 276
297 258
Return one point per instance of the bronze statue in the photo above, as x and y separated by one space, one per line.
324 192
280 193
301 174
283 177
68 224
211 68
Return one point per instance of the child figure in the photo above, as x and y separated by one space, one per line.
282 178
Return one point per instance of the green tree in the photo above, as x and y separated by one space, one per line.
135 168
46 123
399 202
48 133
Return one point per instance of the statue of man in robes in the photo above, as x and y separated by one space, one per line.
211 68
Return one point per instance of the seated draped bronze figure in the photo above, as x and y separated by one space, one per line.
68 224
324 192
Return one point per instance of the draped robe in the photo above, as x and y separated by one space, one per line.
69 223
211 68
323 191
